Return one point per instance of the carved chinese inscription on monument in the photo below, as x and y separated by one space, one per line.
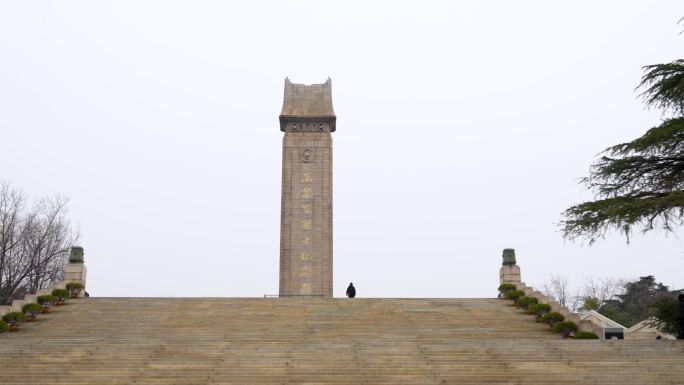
307 118
306 178
306 200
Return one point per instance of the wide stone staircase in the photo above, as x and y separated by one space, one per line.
188 341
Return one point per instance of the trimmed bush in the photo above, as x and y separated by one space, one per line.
31 309
585 336
565 328
525 302
74 285
515 294
552 318
505 289
3 326
47 300
14 318
61 294
539 309
74 288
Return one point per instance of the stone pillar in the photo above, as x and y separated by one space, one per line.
307 118
509 272
75 270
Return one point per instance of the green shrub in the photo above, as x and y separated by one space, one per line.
31 309
591 303
47 300
565 328
74 285
505 289
61 294
4 327
74 288
539 309
552 318
14 318
515 294
585 336
525 302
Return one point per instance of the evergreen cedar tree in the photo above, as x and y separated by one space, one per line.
640 300
639 184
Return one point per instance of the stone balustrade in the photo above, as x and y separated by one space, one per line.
74 271
510 273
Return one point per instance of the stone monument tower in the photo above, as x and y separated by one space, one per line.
307 118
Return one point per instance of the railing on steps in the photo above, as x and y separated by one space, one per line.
17 304
583 325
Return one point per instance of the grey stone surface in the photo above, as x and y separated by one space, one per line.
307 108
509 274
306 207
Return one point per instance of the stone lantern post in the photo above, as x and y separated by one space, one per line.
510 271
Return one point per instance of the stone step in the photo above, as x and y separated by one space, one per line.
281 341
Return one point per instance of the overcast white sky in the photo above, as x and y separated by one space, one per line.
462 130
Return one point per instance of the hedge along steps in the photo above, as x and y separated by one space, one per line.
585 336
555 306
505 289
32 305
552 318
61 295
46 301
18 304
74 288
13 319
525 302
565 328
583 325
531 305
515 295
31 310
539 309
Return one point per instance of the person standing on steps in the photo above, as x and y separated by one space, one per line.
679 316
351 290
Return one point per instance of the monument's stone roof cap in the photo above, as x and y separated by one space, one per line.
308 101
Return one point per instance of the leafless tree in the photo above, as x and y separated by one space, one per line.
594 292
601 290
559 289
34 242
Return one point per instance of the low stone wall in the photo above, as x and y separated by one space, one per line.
510 273
555 306
17 304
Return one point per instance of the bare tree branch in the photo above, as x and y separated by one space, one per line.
34 243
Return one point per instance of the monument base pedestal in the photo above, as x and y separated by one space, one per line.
509 274
76 272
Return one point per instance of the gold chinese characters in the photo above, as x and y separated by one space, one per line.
306 178
304 256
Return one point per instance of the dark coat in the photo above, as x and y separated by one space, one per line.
679 311
351 291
